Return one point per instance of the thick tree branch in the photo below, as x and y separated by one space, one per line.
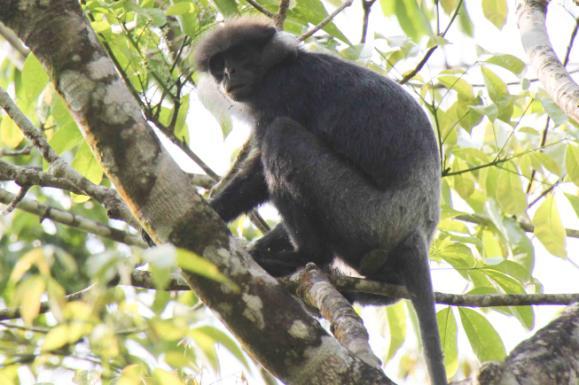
158 194
548 358
554 77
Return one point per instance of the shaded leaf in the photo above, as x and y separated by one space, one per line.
484 339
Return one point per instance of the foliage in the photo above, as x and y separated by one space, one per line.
505 149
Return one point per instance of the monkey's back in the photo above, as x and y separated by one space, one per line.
368 119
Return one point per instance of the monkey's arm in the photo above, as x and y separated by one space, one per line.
243 188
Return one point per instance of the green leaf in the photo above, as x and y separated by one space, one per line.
162 262
484 339
549 228
314 12
574 200
227 7
56 338
222 338
461 86
412 19
180 9
572 162
448 334
465 21
495 11
509 62
34 77
164 377
10 134
499 93
181 129
67 133
195 264
449 5
388 7
510 194
206 344
396 317
85 163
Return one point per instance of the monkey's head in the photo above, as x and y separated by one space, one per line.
238 53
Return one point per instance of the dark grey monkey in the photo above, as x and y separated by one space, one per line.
347 157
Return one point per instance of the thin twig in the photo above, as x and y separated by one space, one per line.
26 150
544 193
477 219
367 7
73 220
326 21
261 9
496 161
422 62
17 199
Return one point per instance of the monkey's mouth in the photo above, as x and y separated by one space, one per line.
235 91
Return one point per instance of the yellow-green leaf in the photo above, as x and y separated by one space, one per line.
396 316
163 377
85 163
509 62
132 375
56 338
572 163
10 134
495 11
34 77
509 193
447 331
193 263
549 228
28 295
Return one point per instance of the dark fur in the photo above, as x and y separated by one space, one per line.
350 161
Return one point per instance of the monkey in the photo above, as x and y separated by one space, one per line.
347 157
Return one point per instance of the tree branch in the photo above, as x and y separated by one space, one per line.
473 218
317 291
279 19
326 21
261 9
554 77
107 197
430 51
72 220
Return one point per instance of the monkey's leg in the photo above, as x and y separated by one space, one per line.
271 244
281 171
411 257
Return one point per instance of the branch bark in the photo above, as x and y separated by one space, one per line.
552 74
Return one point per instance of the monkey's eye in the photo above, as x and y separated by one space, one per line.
217 66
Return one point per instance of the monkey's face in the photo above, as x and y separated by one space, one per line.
237 70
